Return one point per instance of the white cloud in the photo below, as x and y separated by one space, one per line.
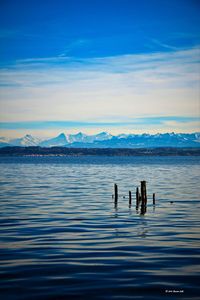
102 89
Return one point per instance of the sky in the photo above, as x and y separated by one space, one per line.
121 66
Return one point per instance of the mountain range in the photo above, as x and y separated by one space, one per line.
106 140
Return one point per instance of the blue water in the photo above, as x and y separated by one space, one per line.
63 238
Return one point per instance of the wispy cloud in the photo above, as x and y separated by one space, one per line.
163 45
138 125
75 44
79 124
109 89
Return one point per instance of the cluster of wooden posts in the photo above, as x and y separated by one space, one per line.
141 197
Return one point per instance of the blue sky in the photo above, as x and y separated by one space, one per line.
119 66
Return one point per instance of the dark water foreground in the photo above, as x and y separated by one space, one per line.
62 238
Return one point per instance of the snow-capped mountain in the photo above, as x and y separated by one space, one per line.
102 136
84 138
27 140
79 137
75 139
4 142
106 140
60 140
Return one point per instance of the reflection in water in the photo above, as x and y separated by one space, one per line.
143 229
62 236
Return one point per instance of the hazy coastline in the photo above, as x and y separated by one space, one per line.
63 151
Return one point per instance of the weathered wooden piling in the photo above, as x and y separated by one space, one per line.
140 198
130 198
154 199
143 209
143 197
115 193
143 193
137 197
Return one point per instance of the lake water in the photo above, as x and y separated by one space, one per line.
62 238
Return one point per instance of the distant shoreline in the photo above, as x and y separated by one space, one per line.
62 151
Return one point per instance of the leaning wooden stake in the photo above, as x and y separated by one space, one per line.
130 198
116 193
154 199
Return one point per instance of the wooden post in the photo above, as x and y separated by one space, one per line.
116 193
143 209
130 198
137 197
143 197
154 199
143 193
140 198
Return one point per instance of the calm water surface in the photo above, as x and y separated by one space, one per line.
62 238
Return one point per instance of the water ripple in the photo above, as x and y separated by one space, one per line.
62 237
